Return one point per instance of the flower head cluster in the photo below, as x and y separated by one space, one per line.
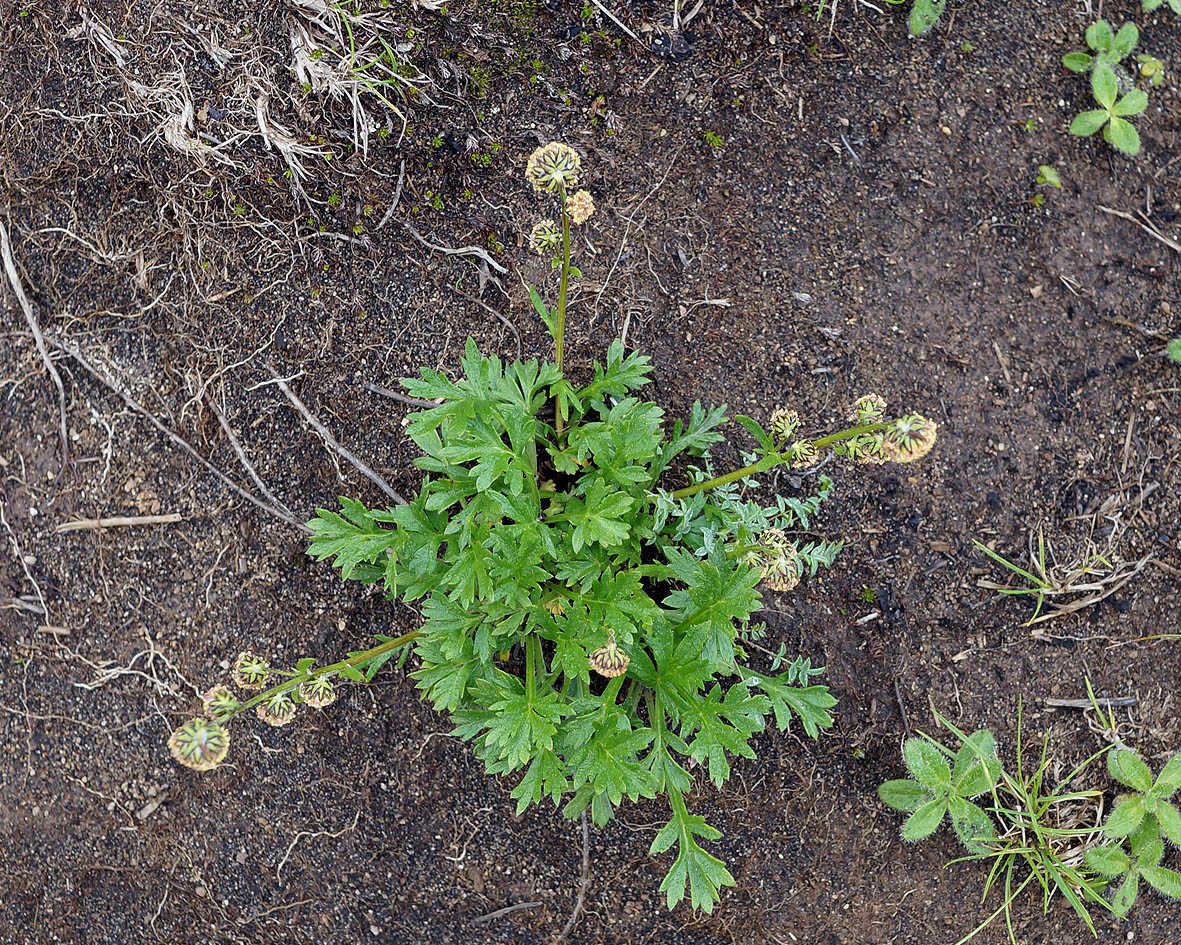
777 560
580 207
553 167
784 423
200 744
278 710
802 454
545 237
220 704
909 438
318 692
869 408
250 672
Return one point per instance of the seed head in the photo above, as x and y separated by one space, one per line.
580 207
784 423
609 660
777 560
220 704
869 408
200 744
866 448
318 693
910 438
801 454
553 166
545 237
279 709
250 672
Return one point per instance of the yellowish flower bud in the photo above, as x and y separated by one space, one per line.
580 207
200 744
553 166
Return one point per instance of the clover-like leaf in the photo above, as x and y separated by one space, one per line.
1088 122
1104 85
1078 61
1122 135
1132 104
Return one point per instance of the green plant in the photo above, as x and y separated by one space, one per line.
1151 70
1150 5
1048 175
1173 350
1113 112
1107 47
924 14
586 624
1045 831
713 139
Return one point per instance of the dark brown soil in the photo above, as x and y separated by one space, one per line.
868 224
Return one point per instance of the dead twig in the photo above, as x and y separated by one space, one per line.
478 251
583 885
1147 227
262 486
19 290
176 438
401 398
492 916
118 521
1118 702
330 440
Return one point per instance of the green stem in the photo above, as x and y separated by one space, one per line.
531 654
357 659
773 460
560 319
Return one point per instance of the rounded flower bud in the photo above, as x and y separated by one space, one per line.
319 693
279 709
777 560
869 408
250 672
801 454
911 437
609 660
580 207
545 237
553 166
200 744
784 423
220 704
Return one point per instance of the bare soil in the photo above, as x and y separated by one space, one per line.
868 224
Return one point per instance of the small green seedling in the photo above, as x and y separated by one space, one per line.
924 14
1108 47
1151 70
1112 116
939 789
1047 175
1141 819
1173 351
1174 5
1149 801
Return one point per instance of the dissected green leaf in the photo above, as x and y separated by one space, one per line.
694 867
